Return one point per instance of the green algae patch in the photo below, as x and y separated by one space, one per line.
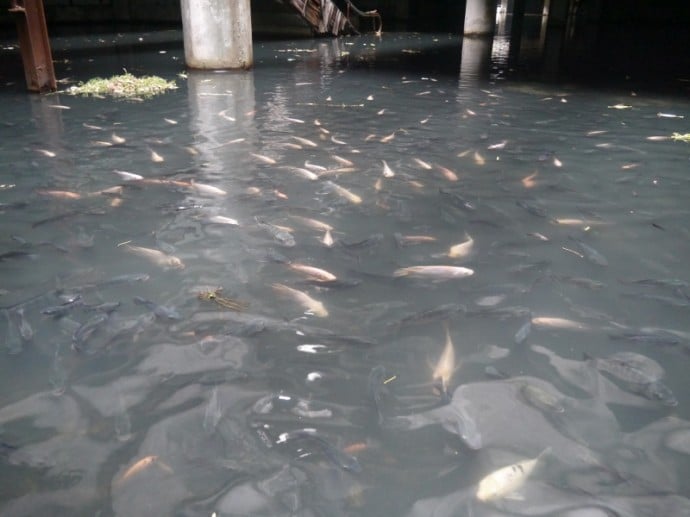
125 86
682 138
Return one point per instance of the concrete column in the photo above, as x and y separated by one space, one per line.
475 60
480 16
217 34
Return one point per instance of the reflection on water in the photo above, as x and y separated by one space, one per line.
355 199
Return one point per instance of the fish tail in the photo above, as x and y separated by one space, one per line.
401 272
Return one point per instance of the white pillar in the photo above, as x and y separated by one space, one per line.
480 16
217 34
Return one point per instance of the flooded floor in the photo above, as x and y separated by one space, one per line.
352 281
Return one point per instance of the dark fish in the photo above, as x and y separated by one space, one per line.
370 241
440 313
523 332
456 200
86 330
338 283
648 337
129 278
57 311
336 456
586 283
106 307
377 389
17 254
590 253
283 237
161 311
249 328
532 208
666 300
25 330
657 282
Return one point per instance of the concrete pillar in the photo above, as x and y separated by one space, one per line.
480 16
217 34
516 31
475 60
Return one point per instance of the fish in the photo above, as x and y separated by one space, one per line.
25 330
445 366
129 176
620 106
559 323
584 282
387 171
590 253
387 138
305 173
140 466
422 164
529 181
60 194
117 139
337 456
439 272
507 480
307 302
447 173
463 249
523 332
265 159
342 161
316 273
327 239
669 115
156 256
86 330
478 158
642 375
281 235
532 208
156 158
442 312
412 240
221 219
209 190
313 223
456 200
500 145
344 193
305 141
160 311
541 399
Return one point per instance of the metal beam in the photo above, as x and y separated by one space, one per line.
34 44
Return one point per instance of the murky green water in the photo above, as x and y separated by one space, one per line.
568 205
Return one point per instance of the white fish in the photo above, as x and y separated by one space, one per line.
434 271
328 239
117 139
225 115
422 164
312 223
128 176
156 158
157 257
305 173
264 158
344 193
500 145
463 249
221 219
558 323
387 171
669 115
342 161
478 158
170 121
507 480
46 152
307 302
210 190
305 141
387 138
447 173
315 273
445 367
620 107
337 141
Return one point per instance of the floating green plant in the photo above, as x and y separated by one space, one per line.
124 86
682 138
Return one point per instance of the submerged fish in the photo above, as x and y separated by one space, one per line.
161 311
280 234
316 273
442 312
307 302
387 171
463 249
140 466
445 367
157 257
339 457
507 480
590 253
438 272
344 193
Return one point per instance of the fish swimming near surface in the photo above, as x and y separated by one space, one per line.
590 253
315 273
140 466
445 366
436 272
507 480
307 302
463 249
156 256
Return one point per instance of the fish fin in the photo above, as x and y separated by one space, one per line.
515 496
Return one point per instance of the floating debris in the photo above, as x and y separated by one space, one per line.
126 85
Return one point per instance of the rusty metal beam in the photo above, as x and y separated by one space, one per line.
34 44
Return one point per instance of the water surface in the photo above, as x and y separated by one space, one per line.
575 201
